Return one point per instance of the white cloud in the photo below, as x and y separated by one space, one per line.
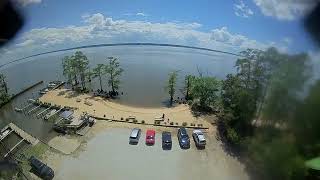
136 14
98 28
285 9
141 14
27 2
242 10
287 40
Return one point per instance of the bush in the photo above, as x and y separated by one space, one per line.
127 119
104 115
121 118
165 123
134 121
142 122
192 124
171 123
199 125
177 123
184 124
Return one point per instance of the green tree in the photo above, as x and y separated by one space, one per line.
205 91
189 79
171 85
114 70
75 69
4 96
69 70
82 66
99 71
286 82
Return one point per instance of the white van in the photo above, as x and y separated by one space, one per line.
134 136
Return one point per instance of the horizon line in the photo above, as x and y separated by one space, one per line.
120 44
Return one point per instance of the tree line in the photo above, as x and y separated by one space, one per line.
263 109
78 73
4 90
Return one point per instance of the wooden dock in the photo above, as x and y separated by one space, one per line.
25 136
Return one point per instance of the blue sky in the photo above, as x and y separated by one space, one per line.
231 25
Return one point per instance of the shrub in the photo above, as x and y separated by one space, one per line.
104 115
165 123
134 121
127 119
121 118
171 123
184 124
192 124
199 125
177 123
142 122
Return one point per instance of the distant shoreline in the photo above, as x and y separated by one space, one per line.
121 44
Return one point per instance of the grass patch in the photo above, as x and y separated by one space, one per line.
36 151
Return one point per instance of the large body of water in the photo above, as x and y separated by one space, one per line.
145 75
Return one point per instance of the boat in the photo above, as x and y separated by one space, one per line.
17 109
44 91
48 115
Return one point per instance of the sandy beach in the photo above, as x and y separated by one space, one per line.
112 110
104 152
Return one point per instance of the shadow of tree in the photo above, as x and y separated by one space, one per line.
72 94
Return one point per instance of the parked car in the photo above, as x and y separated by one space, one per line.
183 137
41 169
166 140
150 137
134 136
199 138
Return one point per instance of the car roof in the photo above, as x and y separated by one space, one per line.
201 137
197 131
150 132
183 131
134 132
166 135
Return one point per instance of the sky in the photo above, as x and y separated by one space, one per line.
229 25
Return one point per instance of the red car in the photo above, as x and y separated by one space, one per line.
150 137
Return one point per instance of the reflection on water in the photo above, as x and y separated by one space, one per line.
145 75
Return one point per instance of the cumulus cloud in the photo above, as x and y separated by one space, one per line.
285 9
27 2
242 10
98 28
236 40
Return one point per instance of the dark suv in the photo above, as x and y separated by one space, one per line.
41 169
184 140
166 140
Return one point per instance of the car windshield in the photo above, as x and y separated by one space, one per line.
88 85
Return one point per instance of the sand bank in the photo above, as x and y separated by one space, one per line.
103 108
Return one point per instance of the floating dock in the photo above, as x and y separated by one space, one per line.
27 137
13 130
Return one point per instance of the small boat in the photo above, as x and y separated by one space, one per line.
44 91
31 101
17 109
50 114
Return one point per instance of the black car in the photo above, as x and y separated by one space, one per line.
166 140
184 140
41 169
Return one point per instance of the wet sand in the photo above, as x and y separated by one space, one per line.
108 155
